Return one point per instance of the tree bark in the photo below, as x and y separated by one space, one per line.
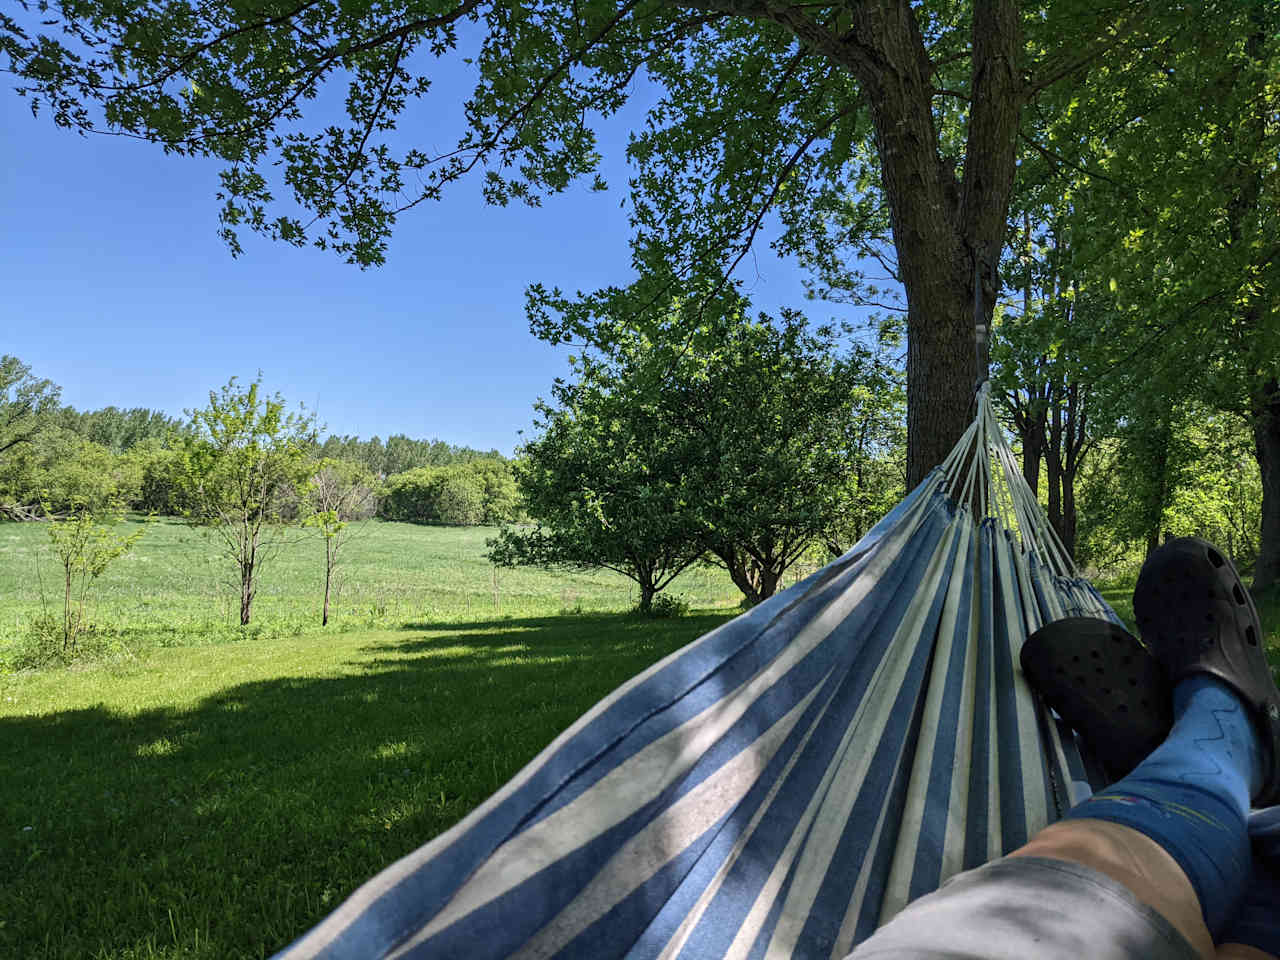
1266 436
246 592
646 596
757 581
945 230
1075 440
328 577
1154 508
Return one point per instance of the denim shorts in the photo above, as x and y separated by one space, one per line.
1023 908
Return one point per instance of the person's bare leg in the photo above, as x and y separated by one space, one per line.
1239 951
1134 860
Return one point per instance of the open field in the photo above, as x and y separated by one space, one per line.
200 798
174 588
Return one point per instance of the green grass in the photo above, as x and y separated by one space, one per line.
217 801
174 588
206 791
198 798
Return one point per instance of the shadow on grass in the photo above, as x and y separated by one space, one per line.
229 828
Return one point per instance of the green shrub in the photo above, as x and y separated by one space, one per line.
459 499
465 494
669 605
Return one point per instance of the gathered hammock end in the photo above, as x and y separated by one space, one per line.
784 785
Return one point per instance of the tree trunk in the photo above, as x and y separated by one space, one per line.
246 592
1072 456
1160 484
1033 453
1068 531
1053 458
944 230
66 613
1266 436
758 582
647 592
328 577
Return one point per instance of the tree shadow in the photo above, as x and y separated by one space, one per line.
229 828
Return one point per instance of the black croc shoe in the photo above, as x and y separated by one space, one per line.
1105 684
1198 617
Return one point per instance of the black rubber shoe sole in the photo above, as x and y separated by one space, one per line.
1105 684
1197 617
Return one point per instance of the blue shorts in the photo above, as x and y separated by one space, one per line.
1018 908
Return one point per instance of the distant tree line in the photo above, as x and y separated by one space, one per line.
54 458
244 469
400 454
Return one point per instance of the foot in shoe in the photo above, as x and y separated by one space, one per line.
1197 617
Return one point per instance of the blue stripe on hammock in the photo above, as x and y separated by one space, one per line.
976 827
537 908
882 794
926 874
1013 811
750 872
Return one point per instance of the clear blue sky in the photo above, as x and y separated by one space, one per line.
117 287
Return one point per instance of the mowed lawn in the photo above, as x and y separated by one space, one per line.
216 801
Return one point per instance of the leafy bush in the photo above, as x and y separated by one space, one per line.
460 499
42 646
668 605
483 491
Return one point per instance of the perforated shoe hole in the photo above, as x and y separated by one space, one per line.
1237 593
1251 635
1215 557
1123 708
1095 654
1133 681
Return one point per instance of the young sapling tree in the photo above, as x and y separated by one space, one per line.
85 545
240 466
338 493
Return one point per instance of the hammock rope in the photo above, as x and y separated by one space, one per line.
785 784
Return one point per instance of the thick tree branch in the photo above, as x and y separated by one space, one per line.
860 59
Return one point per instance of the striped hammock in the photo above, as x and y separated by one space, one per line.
782 786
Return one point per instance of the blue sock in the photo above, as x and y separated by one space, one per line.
1191 795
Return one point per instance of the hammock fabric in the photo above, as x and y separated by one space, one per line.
785 784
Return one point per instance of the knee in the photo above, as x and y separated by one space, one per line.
1133 860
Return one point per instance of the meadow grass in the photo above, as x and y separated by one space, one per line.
175 588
